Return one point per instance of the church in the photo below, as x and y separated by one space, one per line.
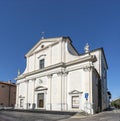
58 78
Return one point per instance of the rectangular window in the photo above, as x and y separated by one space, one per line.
75 101
21 102
42 62
3 86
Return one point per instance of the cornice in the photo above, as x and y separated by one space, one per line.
84 59
63 65
41 70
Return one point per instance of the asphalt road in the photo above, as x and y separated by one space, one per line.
29 116
104 116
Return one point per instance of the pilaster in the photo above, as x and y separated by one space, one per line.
89 101
50 90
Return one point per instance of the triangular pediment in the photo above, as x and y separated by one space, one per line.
42 44
75 92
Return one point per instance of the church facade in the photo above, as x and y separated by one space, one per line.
57 77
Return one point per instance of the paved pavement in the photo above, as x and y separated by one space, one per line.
30 116
103 116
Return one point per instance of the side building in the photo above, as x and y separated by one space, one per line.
7 94
57 77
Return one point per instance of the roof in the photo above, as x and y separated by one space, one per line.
8 83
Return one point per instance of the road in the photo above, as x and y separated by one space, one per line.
104 116
29 116
25 116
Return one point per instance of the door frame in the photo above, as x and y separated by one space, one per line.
43 100
40 90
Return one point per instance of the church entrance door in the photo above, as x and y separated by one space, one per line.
41 100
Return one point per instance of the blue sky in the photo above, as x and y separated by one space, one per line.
96 22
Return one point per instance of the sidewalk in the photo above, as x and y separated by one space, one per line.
77 117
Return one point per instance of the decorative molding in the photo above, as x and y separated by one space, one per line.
40 88
33 79
40 70
43 41
50 75
40 81
21 96
65 73
80 60
75 92
91 58
60 73
87 68
43 55
26 81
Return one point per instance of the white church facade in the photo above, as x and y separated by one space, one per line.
56 77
